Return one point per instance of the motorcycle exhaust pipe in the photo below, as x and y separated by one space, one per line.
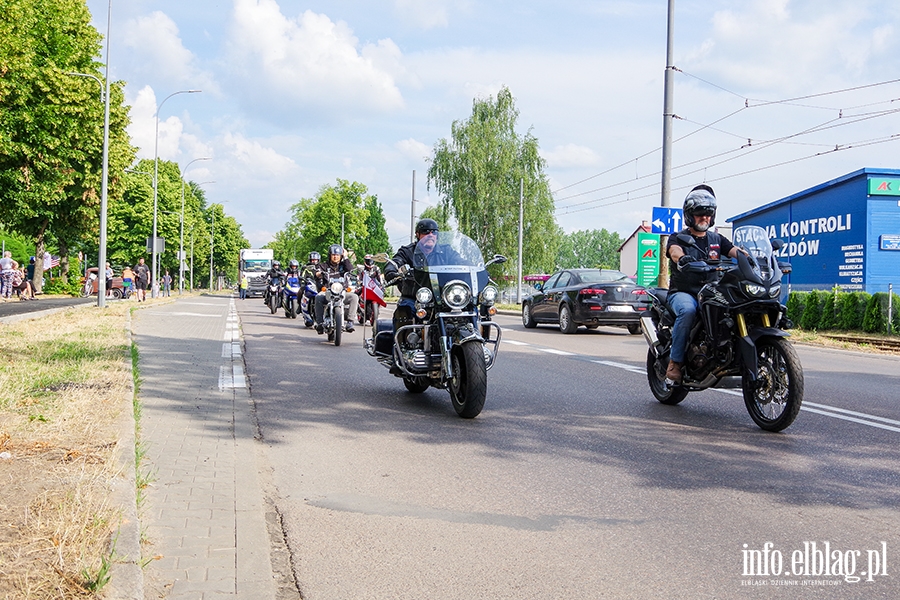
649 331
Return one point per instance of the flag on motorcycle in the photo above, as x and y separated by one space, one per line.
372 291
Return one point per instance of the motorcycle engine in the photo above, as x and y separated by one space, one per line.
698 359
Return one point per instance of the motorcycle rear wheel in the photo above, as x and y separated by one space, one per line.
774 400
656 376
468 387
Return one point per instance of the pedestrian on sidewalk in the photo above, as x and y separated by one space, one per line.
142 279
8 267
127 281
167 284
108 273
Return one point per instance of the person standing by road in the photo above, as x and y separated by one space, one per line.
142 279
245 283
108 273
167 284
8 268
127 281
29 274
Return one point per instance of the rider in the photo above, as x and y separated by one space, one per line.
425 244
699 215
312 265
335 265
274 272
372 270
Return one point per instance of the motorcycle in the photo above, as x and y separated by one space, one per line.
333 314
290 296
738 339
273 294
448 345
308 301
369 301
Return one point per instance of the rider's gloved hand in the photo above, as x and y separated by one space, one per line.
684 261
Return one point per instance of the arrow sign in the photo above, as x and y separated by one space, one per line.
666 221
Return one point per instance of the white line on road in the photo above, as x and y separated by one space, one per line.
555 351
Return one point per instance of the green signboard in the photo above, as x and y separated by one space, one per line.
879 186
648 259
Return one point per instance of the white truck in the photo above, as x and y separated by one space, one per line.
254 263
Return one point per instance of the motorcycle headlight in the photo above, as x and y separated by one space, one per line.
489 294
424 296
754 290
456 294
775 291
336 287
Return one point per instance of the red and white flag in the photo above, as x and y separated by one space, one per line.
372 291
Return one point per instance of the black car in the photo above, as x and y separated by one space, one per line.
589 297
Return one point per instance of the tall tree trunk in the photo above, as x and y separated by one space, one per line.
64 261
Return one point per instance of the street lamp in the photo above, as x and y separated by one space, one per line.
212 231
181 235
154 285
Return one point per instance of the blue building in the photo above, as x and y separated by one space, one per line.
844 232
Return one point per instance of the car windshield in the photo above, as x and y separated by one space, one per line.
602 276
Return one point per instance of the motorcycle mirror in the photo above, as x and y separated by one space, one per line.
381 257
498 259
777 244
686 239
785 267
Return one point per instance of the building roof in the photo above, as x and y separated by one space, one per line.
816 189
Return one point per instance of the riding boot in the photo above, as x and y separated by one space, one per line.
673 372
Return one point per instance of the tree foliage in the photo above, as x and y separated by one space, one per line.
477 173
51 123
316 223
593 248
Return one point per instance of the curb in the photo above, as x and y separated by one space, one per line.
126 575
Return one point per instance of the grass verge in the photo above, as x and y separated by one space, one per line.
62 379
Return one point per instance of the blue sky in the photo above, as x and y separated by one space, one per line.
298 94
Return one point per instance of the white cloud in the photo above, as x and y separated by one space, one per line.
309 64
413 150
427 14
155 45
255 157
143 128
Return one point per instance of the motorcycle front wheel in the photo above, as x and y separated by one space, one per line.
273 303
774 399
656 376
338 326
468 387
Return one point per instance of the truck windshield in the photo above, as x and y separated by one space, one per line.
256 266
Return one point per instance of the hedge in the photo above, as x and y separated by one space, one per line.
848 311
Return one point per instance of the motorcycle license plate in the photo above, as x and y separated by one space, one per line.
617 308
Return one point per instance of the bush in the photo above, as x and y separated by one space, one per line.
829 318
795 303
55 285
876 319
852 310
812 311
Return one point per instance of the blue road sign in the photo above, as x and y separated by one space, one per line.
666 221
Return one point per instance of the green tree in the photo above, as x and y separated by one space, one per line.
594 248
51 122
439 214
477 173
376 239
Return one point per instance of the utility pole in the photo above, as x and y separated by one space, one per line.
668 121
521 228
412 214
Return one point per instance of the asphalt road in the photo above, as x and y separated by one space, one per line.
574 482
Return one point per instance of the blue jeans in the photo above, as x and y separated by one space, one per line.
684 306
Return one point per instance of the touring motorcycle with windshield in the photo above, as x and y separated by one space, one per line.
333 318
449 344
738 339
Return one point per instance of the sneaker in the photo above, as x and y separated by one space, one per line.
673 372
349 328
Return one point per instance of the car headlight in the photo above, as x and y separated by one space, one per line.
336 287
775 291
456 294
424 296
489 294
754 290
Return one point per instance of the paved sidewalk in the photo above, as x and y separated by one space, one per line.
204 515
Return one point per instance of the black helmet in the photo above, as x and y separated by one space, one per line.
276 264
427 226
701 201
293 264
335 249
314 256
369 260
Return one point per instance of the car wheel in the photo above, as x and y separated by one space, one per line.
527 318
566 323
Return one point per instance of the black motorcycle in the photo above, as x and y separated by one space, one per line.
448 345
738 339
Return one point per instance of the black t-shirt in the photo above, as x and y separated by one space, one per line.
712 246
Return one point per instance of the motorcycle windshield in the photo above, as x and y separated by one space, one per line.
447 256
755 240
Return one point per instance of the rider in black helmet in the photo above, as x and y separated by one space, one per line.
336 264
699 215
274 272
